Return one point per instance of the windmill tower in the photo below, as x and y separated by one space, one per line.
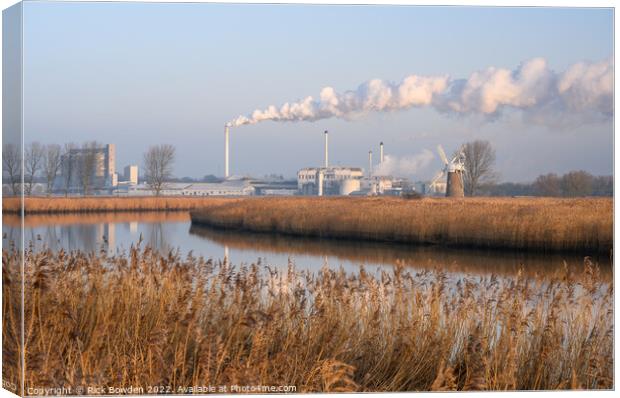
454 170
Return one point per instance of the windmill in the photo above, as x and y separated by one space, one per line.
454 170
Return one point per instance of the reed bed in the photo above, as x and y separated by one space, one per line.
541 224
149 319
41 205
45 219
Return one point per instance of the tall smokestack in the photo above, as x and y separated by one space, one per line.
381 152
326 151
226 134
369 163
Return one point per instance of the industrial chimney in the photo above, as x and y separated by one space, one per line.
226 134
381 152
326 149
369 164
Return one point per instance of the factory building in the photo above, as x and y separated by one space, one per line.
100 160
228 188
329 180
377 185
438 188
274 187
218 189
131 174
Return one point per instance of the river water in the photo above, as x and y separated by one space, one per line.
116 232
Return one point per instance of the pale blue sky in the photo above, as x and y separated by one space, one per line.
136 74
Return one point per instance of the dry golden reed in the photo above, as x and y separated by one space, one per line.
147 319
42 205
583 225
44 219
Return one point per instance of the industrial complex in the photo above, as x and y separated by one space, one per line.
339 180
98 165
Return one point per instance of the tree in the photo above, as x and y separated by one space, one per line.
603 186
210 178
12 165
67 167
548 185
158 162
51 165
87 166
506 189
479 162
577 183
33 158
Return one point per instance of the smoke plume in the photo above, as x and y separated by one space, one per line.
404 166
584 88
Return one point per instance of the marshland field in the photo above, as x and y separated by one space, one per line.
544 224
342 294
505 223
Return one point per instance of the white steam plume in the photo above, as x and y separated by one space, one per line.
584 88
404 166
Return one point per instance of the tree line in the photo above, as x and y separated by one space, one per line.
572 184
39 160
45 163
480 178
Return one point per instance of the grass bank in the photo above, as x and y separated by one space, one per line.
541 224
193 322
42 205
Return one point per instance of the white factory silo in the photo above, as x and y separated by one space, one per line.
349 186
320 182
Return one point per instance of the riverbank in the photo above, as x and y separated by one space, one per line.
582 225
199 322
55 205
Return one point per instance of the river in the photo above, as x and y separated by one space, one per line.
116 232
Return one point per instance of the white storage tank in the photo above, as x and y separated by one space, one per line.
349 185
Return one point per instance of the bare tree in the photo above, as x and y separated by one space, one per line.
51 165
603 186
12 165
33 159
158 162
87 166
577 183
68 168
548 185
479 162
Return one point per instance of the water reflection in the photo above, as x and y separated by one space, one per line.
90 232
88 237
116 232
454 260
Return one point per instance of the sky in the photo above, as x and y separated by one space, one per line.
141 74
